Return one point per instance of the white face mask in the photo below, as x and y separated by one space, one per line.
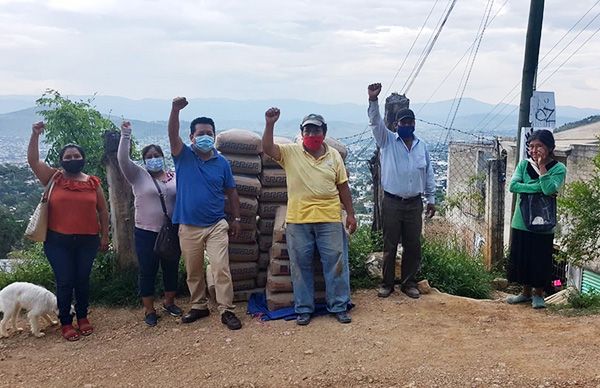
155 164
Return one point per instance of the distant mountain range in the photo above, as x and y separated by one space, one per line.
149 116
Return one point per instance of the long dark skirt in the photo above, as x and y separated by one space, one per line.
530 260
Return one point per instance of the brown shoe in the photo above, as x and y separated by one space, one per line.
194 314
411 292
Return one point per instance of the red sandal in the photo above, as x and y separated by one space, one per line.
69 333
85 328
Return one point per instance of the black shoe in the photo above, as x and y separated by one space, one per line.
233 323
151 319
303 319
343 317
384 291
411 292
173 310
194 314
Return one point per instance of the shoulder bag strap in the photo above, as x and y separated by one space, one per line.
49 187
161 196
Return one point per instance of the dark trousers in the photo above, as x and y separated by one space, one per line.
402 222
149 262
71 257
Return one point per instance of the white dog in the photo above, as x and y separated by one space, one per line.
36 299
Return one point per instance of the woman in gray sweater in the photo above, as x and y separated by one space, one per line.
149 218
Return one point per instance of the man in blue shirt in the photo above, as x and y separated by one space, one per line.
406 176
204 178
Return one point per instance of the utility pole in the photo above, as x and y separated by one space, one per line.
530 65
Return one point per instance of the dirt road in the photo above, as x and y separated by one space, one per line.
439 340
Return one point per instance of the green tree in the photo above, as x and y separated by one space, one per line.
74 122
10 232
579 206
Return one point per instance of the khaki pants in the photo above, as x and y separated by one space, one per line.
194 240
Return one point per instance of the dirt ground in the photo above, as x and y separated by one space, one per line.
437 341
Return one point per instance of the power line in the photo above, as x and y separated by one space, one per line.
430 48
412 46
542 70
459 61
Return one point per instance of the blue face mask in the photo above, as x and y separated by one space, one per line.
155 164
204 143
405 131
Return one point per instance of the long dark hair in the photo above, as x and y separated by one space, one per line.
62 151
149 147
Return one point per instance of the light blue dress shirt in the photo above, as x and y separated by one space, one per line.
405 173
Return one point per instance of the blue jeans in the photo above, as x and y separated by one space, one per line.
148 264
71 257
328 238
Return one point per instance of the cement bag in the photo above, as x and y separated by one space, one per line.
279 225
248 206
338 145
241 285
267 161
263 261
274 194
280 267
268 209
243 237
261 279
273 177
265 225
333 143
246 223
244 164
279 251
243 252
239 141
244 295
243 271
265 241
277 283
276 301
247 185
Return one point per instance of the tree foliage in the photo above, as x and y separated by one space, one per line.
580 209
74 122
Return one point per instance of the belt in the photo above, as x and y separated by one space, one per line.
390 195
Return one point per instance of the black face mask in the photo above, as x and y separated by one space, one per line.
73 166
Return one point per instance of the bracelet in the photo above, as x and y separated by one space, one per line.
238 219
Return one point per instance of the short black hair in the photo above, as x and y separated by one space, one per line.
202 120
62 151
149 147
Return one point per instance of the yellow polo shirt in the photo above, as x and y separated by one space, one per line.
313 195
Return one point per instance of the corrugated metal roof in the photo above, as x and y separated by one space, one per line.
590 281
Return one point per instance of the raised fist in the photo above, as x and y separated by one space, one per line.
374 90
179 103
126 128
38 128
272 115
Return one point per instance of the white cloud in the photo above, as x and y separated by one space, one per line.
308 49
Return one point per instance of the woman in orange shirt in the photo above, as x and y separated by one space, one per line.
77 228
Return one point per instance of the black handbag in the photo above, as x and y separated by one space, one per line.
538 211
167 242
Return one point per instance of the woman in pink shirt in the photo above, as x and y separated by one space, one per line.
149 218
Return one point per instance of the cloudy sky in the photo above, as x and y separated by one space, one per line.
325 51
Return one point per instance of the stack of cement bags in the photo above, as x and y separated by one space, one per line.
242 149
273 195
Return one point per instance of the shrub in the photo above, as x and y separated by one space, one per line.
585 301
362 243
453 270
109 285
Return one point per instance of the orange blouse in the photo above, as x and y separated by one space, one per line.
72 206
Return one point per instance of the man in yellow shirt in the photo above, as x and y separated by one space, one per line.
316 184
